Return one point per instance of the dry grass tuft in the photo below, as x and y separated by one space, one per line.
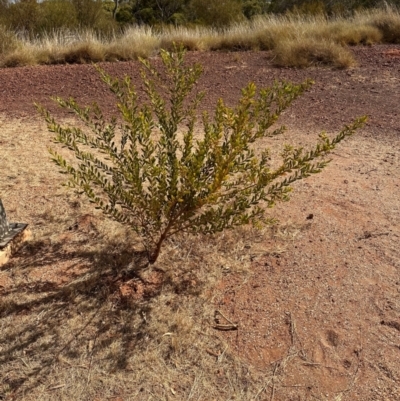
262 33
346 33
56 48
238 37
18 57
387 22
135 42
84 52
311 52
193 39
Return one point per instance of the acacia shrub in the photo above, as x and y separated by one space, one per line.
160 178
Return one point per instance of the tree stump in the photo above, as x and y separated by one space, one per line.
12 235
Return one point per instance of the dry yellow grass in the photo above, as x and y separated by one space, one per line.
346 33
308 52
387 21
280 34
198 38
8 41
136 42
17 58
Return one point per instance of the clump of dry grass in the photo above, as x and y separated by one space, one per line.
193 39
238 37
386 21
308 52
346 33
262 33
84 52
18 58
135 42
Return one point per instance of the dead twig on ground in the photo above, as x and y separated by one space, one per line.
224 327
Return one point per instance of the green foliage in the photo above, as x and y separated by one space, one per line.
217 13
251 8
162 178
23 15
56 14
124 14
90 13
34 17
153 12
315 7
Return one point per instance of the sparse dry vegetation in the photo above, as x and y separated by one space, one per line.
323 39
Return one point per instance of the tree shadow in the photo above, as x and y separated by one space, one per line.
78 313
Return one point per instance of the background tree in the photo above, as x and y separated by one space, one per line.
328 6
56 14
151 12
33 17
251 8
88 12
23 15
216 13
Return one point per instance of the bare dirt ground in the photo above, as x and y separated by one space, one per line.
316 298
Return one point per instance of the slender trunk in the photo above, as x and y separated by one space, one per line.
155 252
114 12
